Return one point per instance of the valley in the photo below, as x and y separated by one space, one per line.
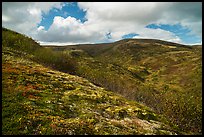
132 86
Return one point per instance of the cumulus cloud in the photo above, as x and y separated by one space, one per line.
139 12
68 30
158 34
188 14
116 19
24 17
132 17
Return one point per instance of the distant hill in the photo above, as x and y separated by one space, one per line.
129 87
96 49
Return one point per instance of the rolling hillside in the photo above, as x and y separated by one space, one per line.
39 100
129 87
163 75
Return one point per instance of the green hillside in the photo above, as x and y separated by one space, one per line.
162 75
137 88
39 100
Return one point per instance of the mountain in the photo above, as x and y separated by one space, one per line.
165 76
122 92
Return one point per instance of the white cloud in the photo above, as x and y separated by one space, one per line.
158 34
139 12
23 17
117 18
5 18
188 14
41 28
200 43
61 43
68 30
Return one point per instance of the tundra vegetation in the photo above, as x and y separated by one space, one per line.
140 86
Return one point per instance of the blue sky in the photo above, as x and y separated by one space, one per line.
71 9
86 22
177 29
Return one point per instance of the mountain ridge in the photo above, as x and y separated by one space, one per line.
150 72
154 76
37 100
126 40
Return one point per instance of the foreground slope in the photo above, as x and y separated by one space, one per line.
163 75
39 100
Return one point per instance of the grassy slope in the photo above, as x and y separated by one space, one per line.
165 76
39 100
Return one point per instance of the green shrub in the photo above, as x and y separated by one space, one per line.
18 41
55 59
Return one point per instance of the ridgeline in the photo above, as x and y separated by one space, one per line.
130 87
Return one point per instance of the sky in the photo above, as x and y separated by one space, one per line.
65 23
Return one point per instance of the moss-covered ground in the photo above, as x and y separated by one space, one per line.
38 100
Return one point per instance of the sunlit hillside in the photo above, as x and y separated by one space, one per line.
135 87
